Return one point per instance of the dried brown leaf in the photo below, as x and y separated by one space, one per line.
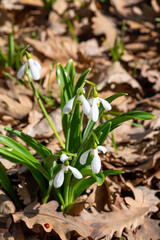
104 25
117 75
106 224
55 47
57 221
149 230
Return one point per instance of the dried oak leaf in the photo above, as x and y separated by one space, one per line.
149 230
55 47
46 213
129 217
95 224
117 75
104 25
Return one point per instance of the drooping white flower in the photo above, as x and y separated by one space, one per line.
33 67
94 103
59 178
96 161
85 105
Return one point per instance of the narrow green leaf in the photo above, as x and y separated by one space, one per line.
8 154
117 121
38 147
6 184
11 49
83 184
70 69
103 131
23 153
66 93
112 172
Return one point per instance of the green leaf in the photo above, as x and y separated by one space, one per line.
117 121
38 147
83 184
104 131
24 153
130 115
75 136
112 172
12 155
11 49
66 93
91 124
6 184
70 69
81 79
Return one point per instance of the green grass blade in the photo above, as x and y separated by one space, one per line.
6 184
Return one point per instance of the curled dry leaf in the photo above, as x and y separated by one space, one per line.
116 75
52 47
149 230
105 25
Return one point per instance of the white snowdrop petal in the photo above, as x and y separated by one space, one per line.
59 178
63 157
103 149
96 162
68 106
37 64
21 71
85 105
90 101
84 156
34 70
105 104
94 112
75 172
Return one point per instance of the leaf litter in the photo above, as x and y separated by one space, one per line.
117 208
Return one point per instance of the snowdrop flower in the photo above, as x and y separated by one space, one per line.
59 178
95 102
96 161
32 66
85 105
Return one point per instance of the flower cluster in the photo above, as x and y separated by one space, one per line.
89 107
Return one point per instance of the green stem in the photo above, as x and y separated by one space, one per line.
44 110
71 116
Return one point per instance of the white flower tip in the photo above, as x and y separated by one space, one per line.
21 71
68 106
63 157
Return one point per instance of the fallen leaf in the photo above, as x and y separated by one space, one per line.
57 221
105 224
117 75
105 25
52 47
42 128
6 205
149 230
